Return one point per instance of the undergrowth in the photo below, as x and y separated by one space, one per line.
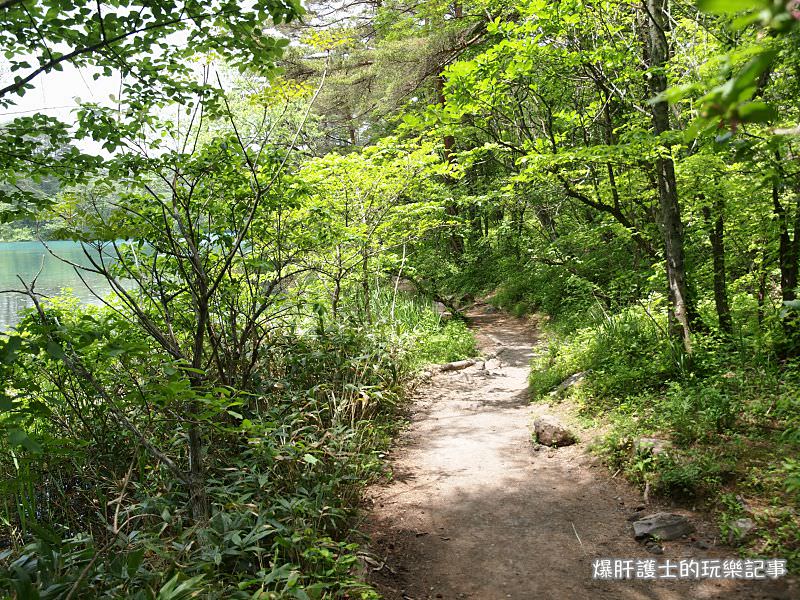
728 417
87 514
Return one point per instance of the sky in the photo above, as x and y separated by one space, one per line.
57 93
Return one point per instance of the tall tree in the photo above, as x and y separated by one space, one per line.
672 227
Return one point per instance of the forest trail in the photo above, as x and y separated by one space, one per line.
473 511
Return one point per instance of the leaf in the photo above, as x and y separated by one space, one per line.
724 137
728 7
312 460
12 347
134 561
174 591
757 112
753 69
54 350
278 574
18 437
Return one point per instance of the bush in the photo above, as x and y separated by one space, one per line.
624 353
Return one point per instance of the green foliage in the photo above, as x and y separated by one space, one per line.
135 41
726 415
623 353
284 474
419 331
454 342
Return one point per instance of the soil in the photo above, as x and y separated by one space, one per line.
475 510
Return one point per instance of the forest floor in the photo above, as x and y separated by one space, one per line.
474 510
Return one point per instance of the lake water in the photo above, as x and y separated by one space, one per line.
25 259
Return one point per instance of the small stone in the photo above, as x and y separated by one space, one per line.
551 432
651 446
492 364
744 504
654 547
662 526
740 530
571 381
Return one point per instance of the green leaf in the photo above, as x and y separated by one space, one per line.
134 561
10 351
173 590
793 304
54 350
757 112
312 460
753 69
727 7
18 437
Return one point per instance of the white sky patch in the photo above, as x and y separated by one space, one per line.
58 93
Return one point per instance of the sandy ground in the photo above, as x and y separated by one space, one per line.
473 511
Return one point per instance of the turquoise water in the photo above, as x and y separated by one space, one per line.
26 258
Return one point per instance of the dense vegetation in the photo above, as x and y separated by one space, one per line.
629 169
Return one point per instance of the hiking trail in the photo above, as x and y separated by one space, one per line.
473 510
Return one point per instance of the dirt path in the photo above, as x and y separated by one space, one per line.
474 512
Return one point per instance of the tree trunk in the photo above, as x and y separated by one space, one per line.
788 247
716 235
198 500
672 226
788 255
337 291
365 285
476 223
761 294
